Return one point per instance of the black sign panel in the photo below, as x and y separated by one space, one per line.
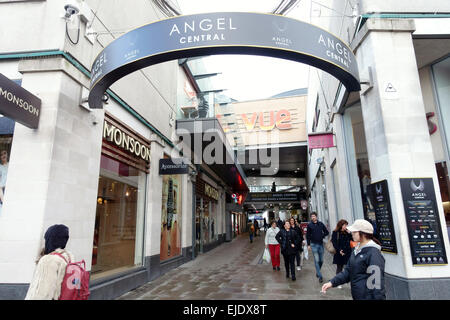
273 197
173 166
19 104
222 33
422 218
378 197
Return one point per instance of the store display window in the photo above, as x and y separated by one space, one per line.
6 138
171 217
119 222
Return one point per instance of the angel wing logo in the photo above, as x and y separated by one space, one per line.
280 25
378 188
419 187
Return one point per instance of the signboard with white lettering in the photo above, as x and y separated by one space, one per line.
273 197
19 104
422 219
379 201
222 33
173 166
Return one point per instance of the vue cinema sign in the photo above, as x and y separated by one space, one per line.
222 33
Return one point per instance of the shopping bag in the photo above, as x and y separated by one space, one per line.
266 256
305 251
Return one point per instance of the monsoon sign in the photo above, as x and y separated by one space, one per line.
222 33
19 104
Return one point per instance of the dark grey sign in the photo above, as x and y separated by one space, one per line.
273 197
422 218
173 166
378 196
222 33
19 104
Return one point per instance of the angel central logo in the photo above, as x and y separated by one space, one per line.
378 189
416 188
203 30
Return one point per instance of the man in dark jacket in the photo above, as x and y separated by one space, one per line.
289 243
315 234
280 224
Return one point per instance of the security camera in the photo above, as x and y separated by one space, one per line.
71 8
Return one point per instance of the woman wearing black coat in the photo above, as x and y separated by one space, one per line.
365 268
341 243
289 244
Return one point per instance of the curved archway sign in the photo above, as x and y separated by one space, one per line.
222 33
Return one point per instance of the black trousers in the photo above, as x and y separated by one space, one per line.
339 268
297 257
289 262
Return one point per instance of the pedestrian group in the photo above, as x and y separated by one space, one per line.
356 253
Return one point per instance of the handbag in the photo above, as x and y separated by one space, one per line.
330 248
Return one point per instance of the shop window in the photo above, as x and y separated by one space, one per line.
6 137
119 225
441 76
171 217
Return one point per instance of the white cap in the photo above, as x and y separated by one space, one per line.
361 225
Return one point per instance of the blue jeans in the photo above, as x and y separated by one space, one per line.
317 250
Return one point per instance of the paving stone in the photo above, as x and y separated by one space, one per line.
232 272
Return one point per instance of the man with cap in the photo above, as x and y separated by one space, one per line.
365 268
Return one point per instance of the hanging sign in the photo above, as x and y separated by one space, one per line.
320 140
222 33
422 219
173 166
19 104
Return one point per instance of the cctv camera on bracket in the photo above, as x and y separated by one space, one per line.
71 8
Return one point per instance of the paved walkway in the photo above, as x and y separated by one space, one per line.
234 271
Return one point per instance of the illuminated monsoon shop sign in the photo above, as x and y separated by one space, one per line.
124 141
211 192
222 33
205 30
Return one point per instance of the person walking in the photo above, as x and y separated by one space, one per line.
365 268
265 225
289 241
51 268
280 224
273 245
316 232
251 230
299 231
256 224
341 242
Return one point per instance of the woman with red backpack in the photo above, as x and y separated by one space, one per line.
53 269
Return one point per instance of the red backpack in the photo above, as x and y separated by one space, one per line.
75 285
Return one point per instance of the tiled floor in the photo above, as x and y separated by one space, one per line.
233 271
